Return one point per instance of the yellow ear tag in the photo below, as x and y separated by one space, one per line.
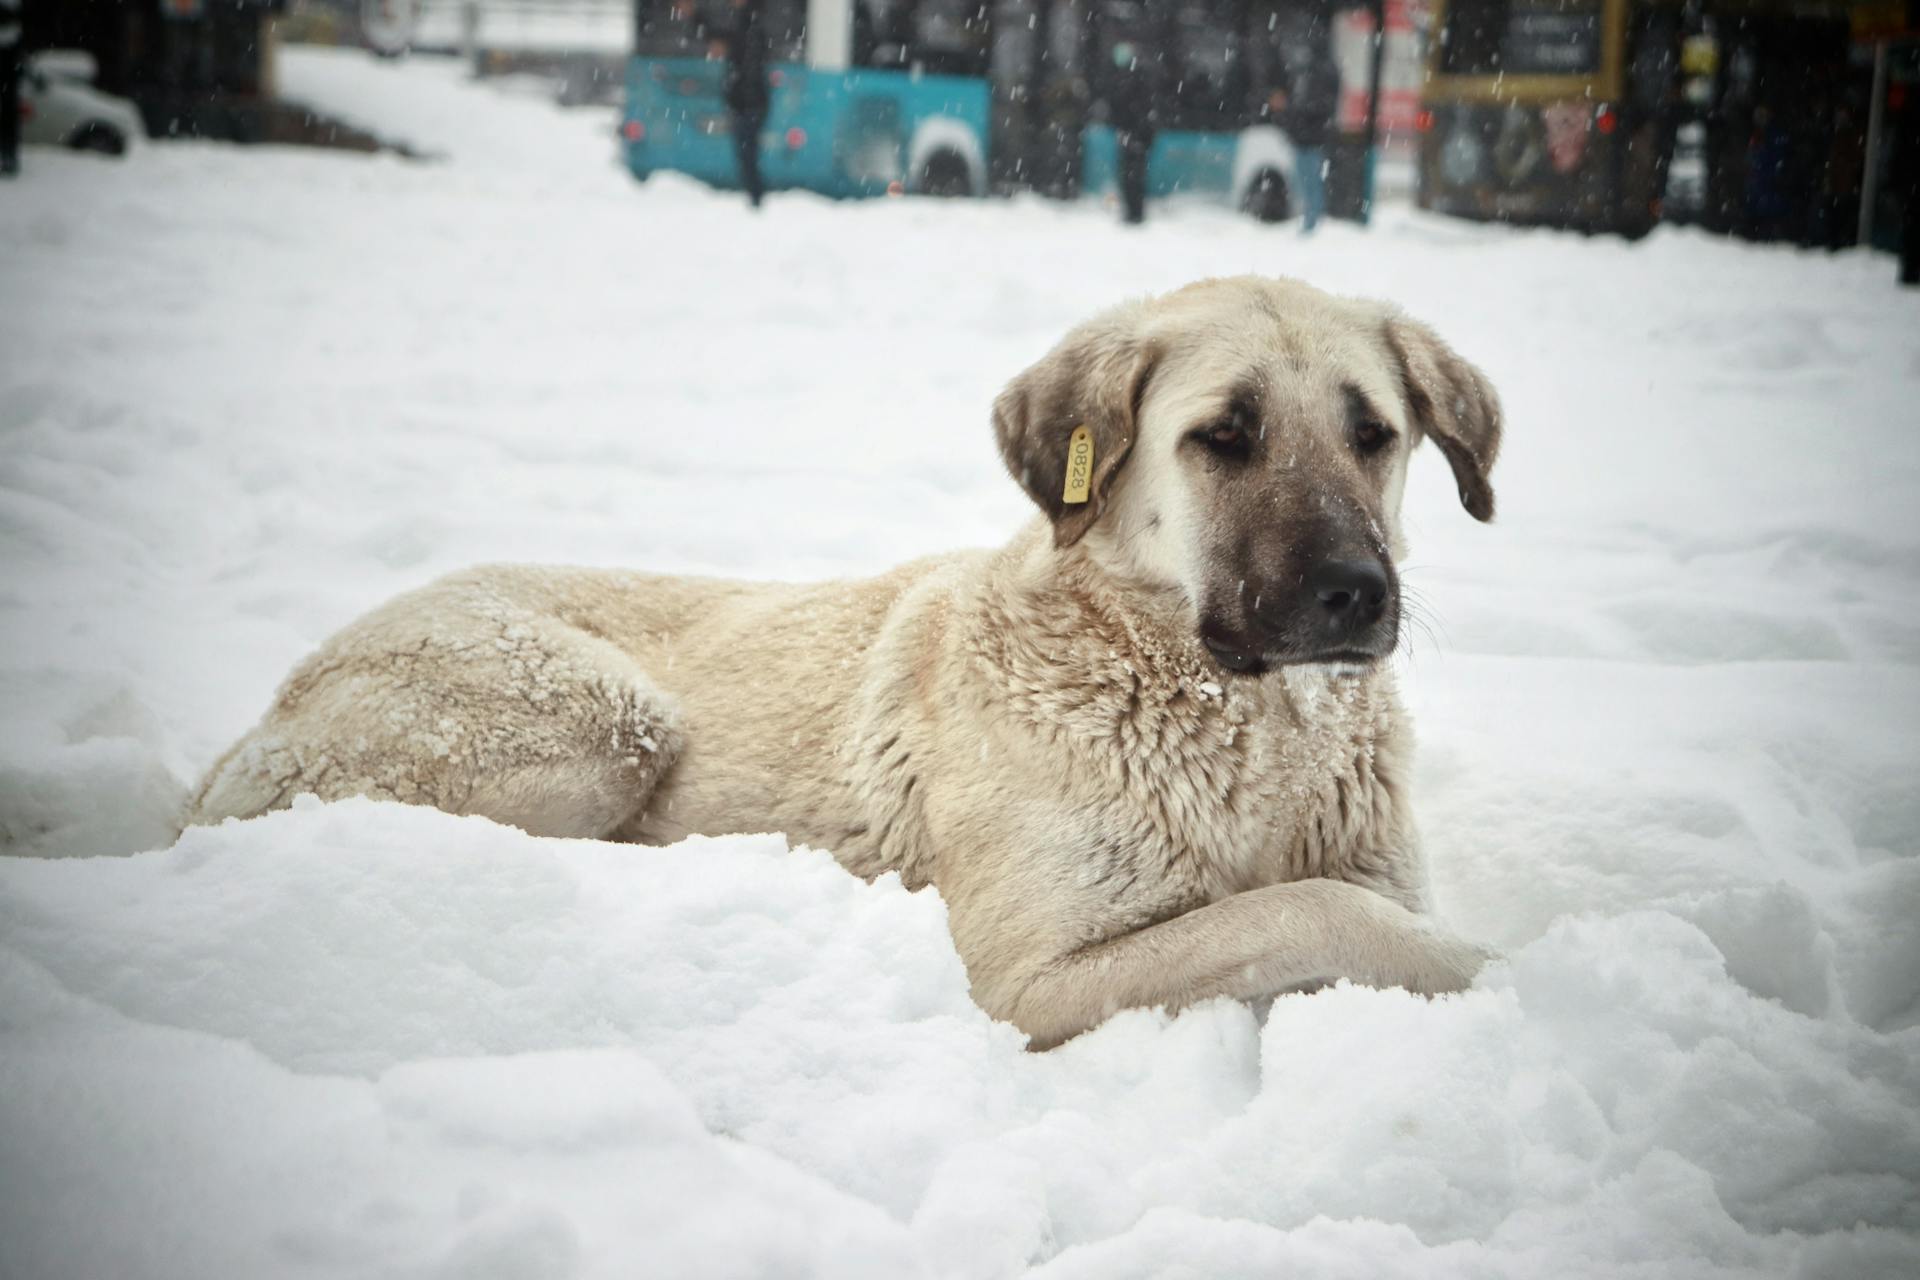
1079 466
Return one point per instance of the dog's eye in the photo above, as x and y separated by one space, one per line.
1371 437
1227 439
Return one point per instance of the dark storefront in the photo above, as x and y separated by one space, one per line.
1748 117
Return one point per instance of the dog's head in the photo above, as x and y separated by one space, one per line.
1249 442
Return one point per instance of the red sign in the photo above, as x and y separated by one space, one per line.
1402 69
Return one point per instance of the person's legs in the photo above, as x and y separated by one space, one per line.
1319 183
1133 177
1309 180
746 147
1845 222
9 112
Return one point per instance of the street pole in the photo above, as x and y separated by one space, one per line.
1037 155
1876 121
1379 10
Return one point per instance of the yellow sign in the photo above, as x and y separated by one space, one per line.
1699 56
1079 466
1878 19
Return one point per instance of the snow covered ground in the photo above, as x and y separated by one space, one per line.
1668 719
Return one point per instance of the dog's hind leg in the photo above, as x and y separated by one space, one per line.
462 697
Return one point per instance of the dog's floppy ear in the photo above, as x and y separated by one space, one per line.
1454 403
1095 378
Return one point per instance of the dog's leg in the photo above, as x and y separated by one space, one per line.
1252 944
464 701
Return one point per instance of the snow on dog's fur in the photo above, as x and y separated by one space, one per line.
1149 751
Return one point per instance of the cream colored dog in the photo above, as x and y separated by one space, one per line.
1149 752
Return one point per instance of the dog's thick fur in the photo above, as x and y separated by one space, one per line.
1132 785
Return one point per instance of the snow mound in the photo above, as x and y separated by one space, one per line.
70 741
383 1038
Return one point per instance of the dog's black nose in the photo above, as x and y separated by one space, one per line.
1353 593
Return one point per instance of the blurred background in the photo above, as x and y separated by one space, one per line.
1770 119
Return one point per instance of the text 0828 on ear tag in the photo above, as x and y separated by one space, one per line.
1079 466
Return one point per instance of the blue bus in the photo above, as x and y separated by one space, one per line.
1218 63
910 115
967 97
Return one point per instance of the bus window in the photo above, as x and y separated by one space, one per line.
1119 22
675 28
786 23
952 37
1197 53
1037 38
687 28
1520 38
1208 75
945 37
1065 53
1016 44
881 35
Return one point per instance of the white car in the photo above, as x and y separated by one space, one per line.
59 107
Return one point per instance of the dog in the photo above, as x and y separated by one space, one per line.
1149 752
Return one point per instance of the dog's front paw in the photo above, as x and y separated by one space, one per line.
1456 964
1450 964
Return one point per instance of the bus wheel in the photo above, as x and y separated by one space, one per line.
945 174
1266 197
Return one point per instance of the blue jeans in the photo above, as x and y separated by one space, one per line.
1310 184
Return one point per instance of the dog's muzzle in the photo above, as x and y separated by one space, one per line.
1339 611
